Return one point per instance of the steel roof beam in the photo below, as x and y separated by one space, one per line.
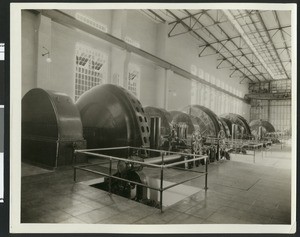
158 16
272 43
262 38
186 26
270 81
246 39
222 43
249 66
187 17
242 55
276 28
282 35
219 41
240 15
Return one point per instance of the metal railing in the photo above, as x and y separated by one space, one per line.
187 158
248 145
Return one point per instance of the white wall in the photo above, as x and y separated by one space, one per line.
181 50
63 43
29 53
142 30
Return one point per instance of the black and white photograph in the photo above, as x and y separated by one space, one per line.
153 118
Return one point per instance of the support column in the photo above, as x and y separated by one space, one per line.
162 75
167 94
125 69
118 56
43 46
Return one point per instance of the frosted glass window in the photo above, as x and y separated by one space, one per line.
90 69
222 85
193 69
193 92
213 80
221 107
212 99
217 82
223 102
200 94
229 104
201 73
240 108
89 21
280 113
217 94
131 41
236 106
207 96
133 79
206 76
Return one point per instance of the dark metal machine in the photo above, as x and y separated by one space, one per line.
175 130
51 128
183 125
263 130
226 127
242 130
112 117
212 132
163 129
209 123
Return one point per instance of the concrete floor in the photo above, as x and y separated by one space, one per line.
239 192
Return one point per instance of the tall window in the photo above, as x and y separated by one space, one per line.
133 79
90 69
201 94
194 92
280 114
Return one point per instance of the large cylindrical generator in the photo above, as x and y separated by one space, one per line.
112 117
51 128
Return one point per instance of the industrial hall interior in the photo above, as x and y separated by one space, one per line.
156 116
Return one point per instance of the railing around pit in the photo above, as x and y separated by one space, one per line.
187 158
237 145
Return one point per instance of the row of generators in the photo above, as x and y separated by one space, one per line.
110 116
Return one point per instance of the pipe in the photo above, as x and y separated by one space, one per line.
158 160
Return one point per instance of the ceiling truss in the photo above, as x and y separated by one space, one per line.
254 45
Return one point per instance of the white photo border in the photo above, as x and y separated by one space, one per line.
15 127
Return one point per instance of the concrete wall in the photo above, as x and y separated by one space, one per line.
29 51
181 50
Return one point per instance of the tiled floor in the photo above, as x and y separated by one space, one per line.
239 192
